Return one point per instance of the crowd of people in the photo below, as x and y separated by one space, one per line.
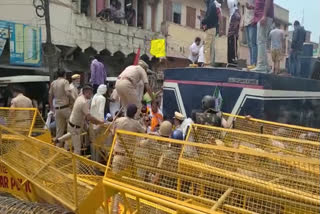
114 13
259 26
133 106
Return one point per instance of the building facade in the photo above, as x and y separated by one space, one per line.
78 33
182 26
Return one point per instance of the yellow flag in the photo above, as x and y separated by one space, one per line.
158 48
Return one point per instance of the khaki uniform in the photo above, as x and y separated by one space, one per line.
21 101
209 46
127 85
169 162
74 93
147 154
121 159
78 115
128 124
22 119
209 118
60 90
106 143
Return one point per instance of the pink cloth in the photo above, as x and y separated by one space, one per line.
100 5
259 10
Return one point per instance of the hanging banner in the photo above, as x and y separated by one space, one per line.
25 45
4 34
158 48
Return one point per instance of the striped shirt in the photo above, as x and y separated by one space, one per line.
259 10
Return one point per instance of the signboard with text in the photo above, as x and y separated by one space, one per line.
25 45
9 182
4 34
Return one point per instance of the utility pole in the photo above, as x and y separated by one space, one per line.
49 46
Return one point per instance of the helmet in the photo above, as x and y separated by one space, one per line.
177 134
165 129
207 102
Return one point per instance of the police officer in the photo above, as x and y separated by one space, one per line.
61 92
22 119
181 123
120 157
209 116
127 123
128 82
19 100
169 162
74 86
79 114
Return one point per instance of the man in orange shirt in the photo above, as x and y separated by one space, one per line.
156 116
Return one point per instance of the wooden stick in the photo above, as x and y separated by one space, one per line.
222 199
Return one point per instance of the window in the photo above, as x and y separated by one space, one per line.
85 7
140 18
191 17
176 9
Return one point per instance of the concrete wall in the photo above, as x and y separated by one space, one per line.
281 13
72 29
180 37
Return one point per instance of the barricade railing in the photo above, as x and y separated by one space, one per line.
102 141
25 121
272 128
234 138
202 178
68 178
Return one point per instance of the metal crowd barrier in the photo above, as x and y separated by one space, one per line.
25 121
66 178
221 171
234 138
204 178
272 128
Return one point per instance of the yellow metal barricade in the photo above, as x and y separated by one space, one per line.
68 179
25 121
272 128
260 142
102 141
201 178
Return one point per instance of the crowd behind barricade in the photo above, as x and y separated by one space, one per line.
100 109
84 119
99 106
259 26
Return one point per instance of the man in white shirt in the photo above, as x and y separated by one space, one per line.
194 50
277 40
97 110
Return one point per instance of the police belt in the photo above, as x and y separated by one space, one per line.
74 126
62 107
125 78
